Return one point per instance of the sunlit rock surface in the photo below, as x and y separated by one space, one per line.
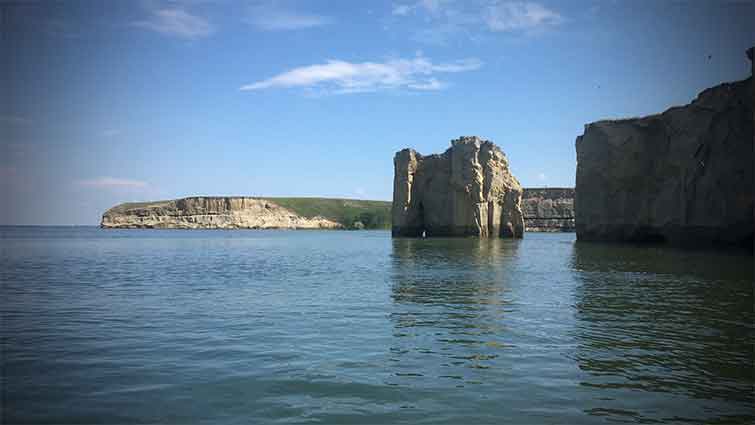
211 213
466 191
548 209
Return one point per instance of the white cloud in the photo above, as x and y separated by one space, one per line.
274 18
520 16
177 22
346 77
112 182
402 9
433 7
542 177
431 84
444 19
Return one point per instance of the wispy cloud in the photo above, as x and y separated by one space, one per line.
339 76
431 84
440 20
177 22
542 177
273 17
432 7
112 182
520 16
402 9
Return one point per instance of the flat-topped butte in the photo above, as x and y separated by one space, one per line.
240 212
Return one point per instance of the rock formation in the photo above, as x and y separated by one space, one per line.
684 176
211 213
466 191
548 209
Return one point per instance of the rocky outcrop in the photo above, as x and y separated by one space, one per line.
548 209
211 213
684 176
466 191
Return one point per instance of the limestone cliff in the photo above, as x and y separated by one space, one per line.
548 209
684 176
466 191
211 213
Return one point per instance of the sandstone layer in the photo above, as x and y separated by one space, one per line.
211 213
684 176
548 209
466 191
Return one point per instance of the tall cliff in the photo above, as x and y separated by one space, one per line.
211 213
466 191
684 176
548 209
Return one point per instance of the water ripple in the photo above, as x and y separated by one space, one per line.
356 327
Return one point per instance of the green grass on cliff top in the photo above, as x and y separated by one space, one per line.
372 214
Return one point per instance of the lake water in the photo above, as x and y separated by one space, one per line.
252 327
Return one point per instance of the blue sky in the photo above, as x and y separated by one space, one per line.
125 101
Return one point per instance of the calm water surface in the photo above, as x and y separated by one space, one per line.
250 327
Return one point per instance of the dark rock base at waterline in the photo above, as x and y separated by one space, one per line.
686 236
450 231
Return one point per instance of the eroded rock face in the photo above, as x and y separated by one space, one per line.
684 176
548 209
211 213
466 191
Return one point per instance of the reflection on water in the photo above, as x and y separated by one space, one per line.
355 327
623 333
661 320
450 301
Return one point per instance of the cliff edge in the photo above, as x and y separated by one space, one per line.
684 176
249 213
548 209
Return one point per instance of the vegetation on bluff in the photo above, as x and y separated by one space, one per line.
251 212
351 213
